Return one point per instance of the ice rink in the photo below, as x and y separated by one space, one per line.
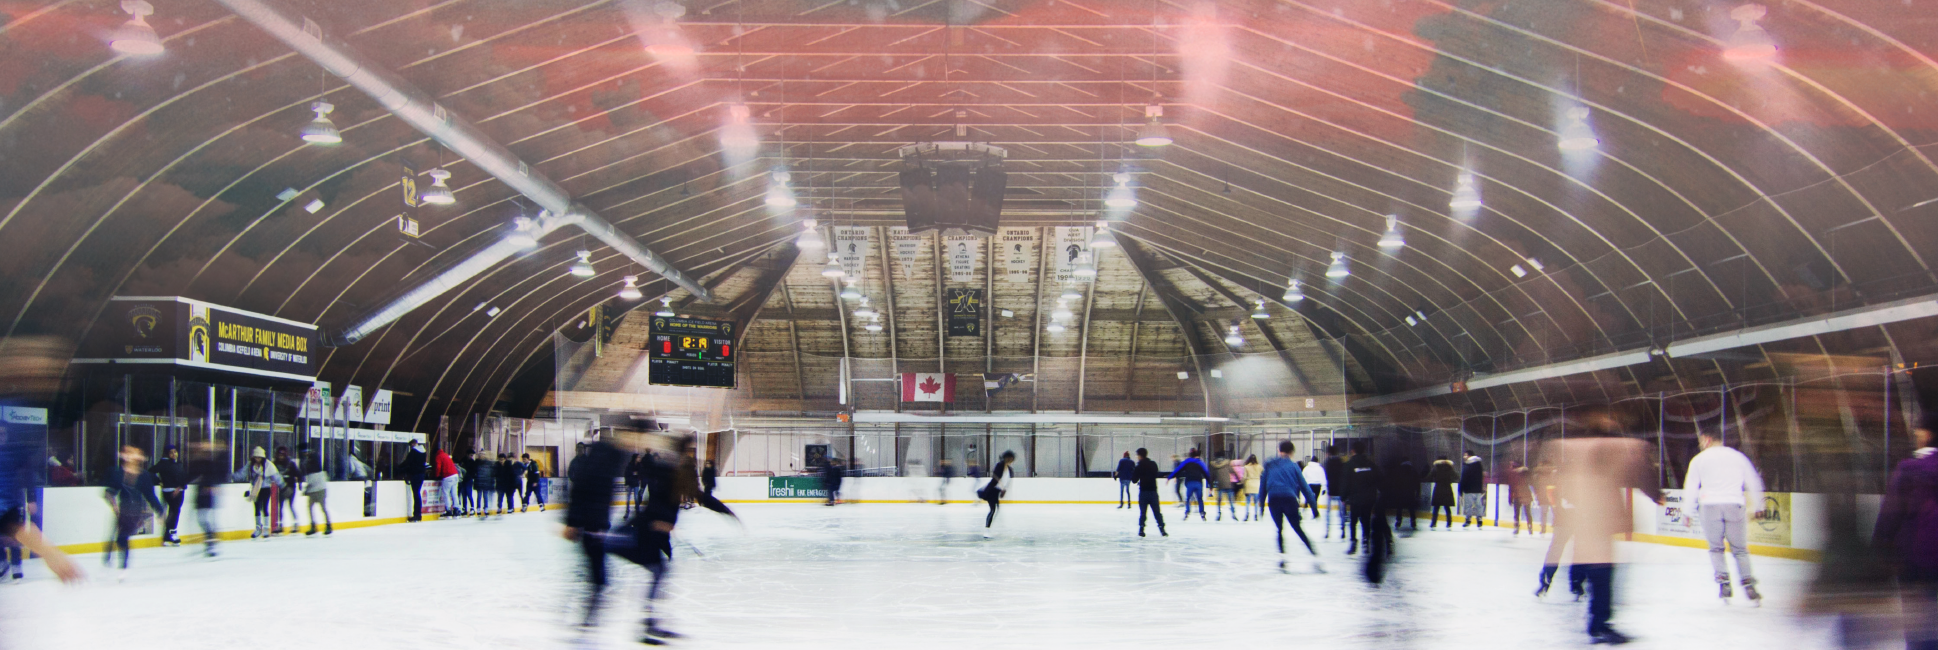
887 576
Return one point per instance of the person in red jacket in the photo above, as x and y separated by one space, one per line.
446 472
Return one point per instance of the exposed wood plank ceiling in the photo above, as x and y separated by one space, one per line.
1721 194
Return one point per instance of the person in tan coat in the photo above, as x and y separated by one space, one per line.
1593 475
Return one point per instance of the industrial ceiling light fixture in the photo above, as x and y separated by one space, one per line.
874 324
833 269
864 310
1102 239
1055 327
737 136
1062 311
1294 291
665 306
1750 43
1153 133
438 193
1259 311
321 130
1576 135
1466 194
1337 269
1085 268
1121 196
1232 338
135 37
524 233
583 267
779 195
631 290
849 292
810 236
1070 293
1392 240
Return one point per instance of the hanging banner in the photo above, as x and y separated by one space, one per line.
965 311
965 254
379 412
349 407
908 249
1069 244
1016 247
313 402
852 246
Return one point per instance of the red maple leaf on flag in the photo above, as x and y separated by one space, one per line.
929 385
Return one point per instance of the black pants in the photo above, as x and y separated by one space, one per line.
995 499
594 546
1314 503
1601 594
1147 505
125 525
1410 513
1372 529
1285 510
505 498
1433 516
174 500
416 498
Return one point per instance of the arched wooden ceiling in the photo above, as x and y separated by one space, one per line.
1721 193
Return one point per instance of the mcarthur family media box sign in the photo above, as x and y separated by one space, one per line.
196 334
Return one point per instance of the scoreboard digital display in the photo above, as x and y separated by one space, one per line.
690 352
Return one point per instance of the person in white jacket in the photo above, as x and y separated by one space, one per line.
1315 476
1724 487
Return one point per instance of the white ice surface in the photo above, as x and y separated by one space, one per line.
886 576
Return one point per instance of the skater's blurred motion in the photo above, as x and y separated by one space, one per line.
468 483
208 470
709 478
19 469
130 494
1725 489
1907 532
631 477
832 474
1284 488
1365 481
1400 496
1336 491
947 471
1594 474
999 477
316 492
1520 498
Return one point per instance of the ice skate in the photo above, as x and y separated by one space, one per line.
654 630
1722 587
1353 549
1608 636
1749 591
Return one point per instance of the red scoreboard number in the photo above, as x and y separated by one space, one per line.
691 352
696 347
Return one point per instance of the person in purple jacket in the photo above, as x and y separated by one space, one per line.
1907 530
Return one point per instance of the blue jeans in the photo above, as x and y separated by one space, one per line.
1123 491
1194 491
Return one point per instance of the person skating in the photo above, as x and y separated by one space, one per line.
263 480
1907 534
709 478
286 494
998 485
130 493
445 470
833 472
172 476
316 492
1336 491
411 469
631 478
468 484
1254 500
947 471
648 541
1125 474
19 474
1177 487
1400 496
1192 474
1284 487
1365 480
588 514
1595 473
1473 491
1520 497
1219 478
534 483
1146 474
1315 479
1444 477
1727 490
208 470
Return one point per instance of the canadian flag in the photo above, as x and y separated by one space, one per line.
928 387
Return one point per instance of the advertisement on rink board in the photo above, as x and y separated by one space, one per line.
1679 516
796 487
192 333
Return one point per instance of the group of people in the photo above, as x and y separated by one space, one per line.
481 486
139 491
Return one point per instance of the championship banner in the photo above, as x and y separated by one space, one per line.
965 254
1070 244
379 412
851 249
965 311
928 387
1016 247
908 248
191 333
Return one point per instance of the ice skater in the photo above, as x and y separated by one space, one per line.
535 483
172 477
130 493
1125 474
468 484
316 492
1231 483
947 471
1595 473
19 474
446 472
411 469
832 473
1219 481
263 480
1284 487
1254 500
1315 478
484 479
998 486
209 474
1727 489
1146 474
1443 477
588 514
1520 498
1473 491
1192 474
1907 532
1400 496
1365 481
1336 493
285 495
507 474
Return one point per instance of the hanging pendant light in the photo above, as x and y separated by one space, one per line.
1295 291
779 196
1062 311
1102 238
737 136
810 236
1055 327
1070 293
1750 43
1466 195
849 292
1338 268
321 130
833 269
524 233
631 290
1232 337
874 324
1085 269
438 193
1121 196
1576 135
864 310
136 37
665 306
1392 240
583 267
1153 133
1259 311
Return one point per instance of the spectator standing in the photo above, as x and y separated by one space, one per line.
1125 474
446 472
1473 491
1337 489
316 492
1315 478
1254 500
508 474
1519 496
285 495
1443 476
411 469
172 476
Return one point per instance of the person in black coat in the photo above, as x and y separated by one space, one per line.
709 478
1336 491
1365 480
632 483
1126 474
1473 491
1146 474
467 484
208 471
507 474
172 476
832 472
1401 494
534 482
412 471
588 513
131 492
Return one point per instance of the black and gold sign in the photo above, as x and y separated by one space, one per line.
965 312
197 334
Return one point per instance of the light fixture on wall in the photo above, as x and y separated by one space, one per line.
321 130
136 37
631 289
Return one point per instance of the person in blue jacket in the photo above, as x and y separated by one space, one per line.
1126 474
1284 487
1192 473
131 493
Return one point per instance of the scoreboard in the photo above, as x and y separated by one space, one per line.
690 352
